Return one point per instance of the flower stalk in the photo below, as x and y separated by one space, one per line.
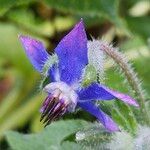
131 76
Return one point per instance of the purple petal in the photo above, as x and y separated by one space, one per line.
72 54
94 92
123 97
35 51
107 122
99 92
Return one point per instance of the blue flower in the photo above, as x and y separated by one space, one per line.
65 91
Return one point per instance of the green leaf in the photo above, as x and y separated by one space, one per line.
119 118
123 115
139 25
8 101
71 146
50 138
133 44
87 8
25 19
11 49
93 137
21 115
128 114
5 5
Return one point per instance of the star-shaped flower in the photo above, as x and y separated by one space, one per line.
65 91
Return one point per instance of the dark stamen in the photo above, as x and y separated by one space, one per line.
50 111
48 107
56 114
53 109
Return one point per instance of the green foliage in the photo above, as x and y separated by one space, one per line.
96 8
96 138
11 49
27 20
124 116
21 115
87 7
5 5
93 137
53 137
140 25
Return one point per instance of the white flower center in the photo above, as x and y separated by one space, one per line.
64 92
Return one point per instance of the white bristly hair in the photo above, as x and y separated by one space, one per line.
96 56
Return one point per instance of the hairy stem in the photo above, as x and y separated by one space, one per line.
131 76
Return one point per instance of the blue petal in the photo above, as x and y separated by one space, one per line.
35 51
72 54
94 92
99 92
108 123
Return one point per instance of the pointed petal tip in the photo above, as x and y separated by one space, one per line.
80 24
137 105
111 126
81 21
121 96
30 42
29 39
22 37
26 39
134 103
35 51
114 128
129 100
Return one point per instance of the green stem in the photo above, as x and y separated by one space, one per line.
131 76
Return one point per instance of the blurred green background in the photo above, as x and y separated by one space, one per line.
125 23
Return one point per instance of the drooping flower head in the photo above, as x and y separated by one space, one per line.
64 90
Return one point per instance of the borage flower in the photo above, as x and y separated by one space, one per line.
65 91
